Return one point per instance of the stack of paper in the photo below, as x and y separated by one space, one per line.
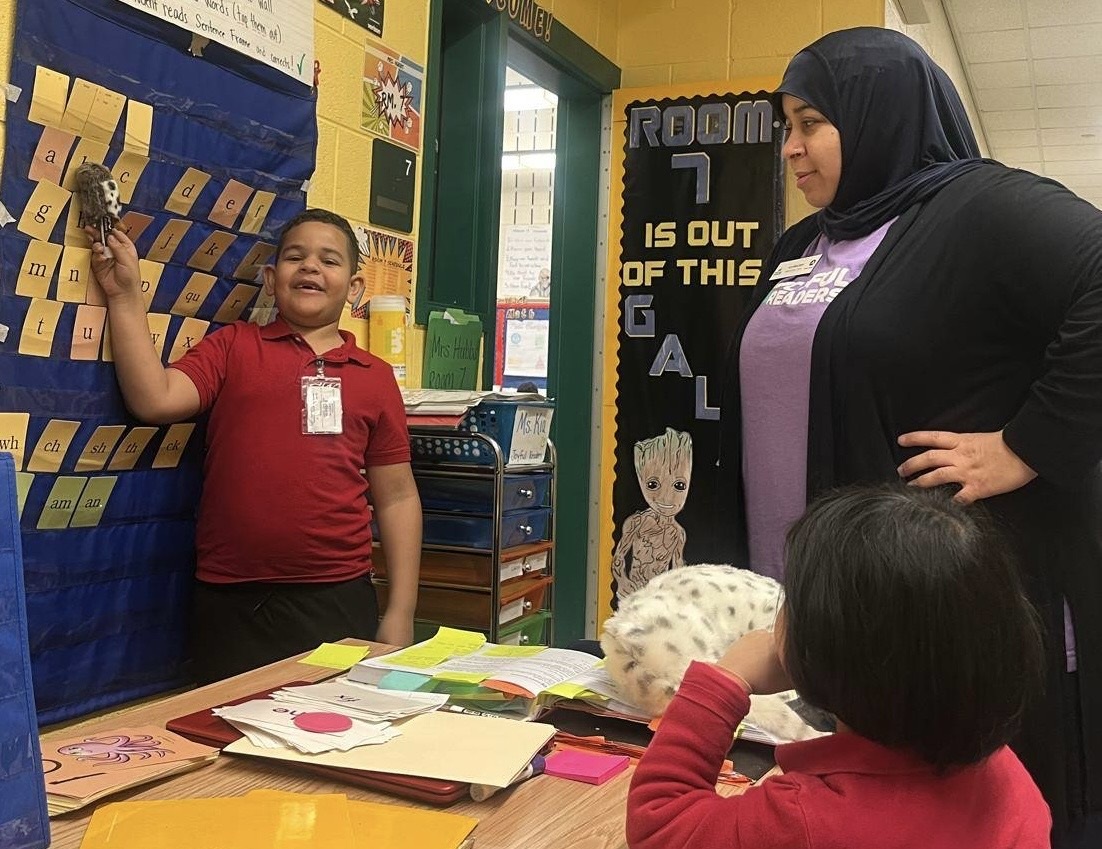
359 701
269 724
80 770
270 819
440 744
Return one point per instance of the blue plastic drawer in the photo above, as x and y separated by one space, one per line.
517 528
469 495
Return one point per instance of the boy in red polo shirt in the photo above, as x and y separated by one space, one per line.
297 410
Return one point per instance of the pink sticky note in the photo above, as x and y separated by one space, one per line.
592 768
323 722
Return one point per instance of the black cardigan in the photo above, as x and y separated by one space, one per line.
980 310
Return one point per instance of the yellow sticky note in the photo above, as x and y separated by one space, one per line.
52 446
150 272
257 213
139 127
48 101
461 677
99 447
87 150
13 435
334 656
79 106
37 270
158 330
513 651
193 294
76 271
88 332
127 170
105 114
187 337
93 501
187 191
448 642
173 445
60 503
127 454
23 483
239 298
39 326
572 691
40 214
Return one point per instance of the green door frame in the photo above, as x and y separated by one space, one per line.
470 45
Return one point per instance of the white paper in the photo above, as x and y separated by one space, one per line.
531 427
279 33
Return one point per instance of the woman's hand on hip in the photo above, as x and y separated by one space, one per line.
981 463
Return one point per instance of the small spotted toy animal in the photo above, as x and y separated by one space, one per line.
694 613
99 199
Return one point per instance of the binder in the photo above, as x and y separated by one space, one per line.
23 820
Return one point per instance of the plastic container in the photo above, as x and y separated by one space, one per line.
386 332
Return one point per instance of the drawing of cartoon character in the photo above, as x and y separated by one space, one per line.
117 749
651 541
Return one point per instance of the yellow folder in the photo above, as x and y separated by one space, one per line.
300 822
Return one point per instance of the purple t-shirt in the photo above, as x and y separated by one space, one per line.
775 375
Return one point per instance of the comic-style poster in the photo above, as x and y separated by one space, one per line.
393 91
386 263
701 209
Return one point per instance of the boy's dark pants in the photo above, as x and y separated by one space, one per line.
238 627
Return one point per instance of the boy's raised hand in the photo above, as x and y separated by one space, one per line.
753 658
119 276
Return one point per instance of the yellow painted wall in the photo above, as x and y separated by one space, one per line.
697 41
343 174
7 34
596 22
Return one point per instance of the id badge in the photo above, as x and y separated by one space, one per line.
321 404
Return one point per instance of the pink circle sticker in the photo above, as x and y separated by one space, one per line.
323 723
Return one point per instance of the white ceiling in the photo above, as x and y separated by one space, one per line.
1035 69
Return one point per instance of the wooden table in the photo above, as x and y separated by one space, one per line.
542 813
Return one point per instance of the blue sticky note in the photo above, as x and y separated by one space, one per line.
406 681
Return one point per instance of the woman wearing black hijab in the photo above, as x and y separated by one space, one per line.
949 332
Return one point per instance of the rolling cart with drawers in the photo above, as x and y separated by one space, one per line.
487 560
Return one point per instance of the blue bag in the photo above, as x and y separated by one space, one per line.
23 820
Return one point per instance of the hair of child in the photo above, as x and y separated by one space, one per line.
906 618
324 216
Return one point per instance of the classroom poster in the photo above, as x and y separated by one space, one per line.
522 331
701 207
386 262
393 86
524 267
279 33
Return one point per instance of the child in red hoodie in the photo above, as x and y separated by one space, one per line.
904 617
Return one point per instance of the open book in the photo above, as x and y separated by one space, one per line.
516 681
519 681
